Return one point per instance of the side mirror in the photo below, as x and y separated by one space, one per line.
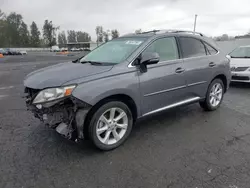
228 56
149 58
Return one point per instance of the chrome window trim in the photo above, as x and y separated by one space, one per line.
187 58
194 99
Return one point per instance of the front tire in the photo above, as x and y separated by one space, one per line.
110 125
214 96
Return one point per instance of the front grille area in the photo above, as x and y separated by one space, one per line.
239 69
240 78
30 94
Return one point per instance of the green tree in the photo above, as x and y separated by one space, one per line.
14 22
114 33
62 38
3 30
99 34
2 15
83 36
24 35
49 33
34 35
106 35
71 36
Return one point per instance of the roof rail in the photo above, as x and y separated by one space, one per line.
191 32
172 31
152 31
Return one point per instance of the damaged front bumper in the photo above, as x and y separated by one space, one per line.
67 115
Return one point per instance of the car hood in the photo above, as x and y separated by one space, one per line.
59 74
240 62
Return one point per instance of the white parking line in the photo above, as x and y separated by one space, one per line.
8 87
2 96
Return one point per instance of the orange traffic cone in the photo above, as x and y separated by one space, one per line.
1 55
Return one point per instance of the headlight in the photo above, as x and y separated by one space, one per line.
51 94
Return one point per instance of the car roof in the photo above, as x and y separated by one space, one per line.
161 33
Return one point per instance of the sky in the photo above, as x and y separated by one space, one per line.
215 17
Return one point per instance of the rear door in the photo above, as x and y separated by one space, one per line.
164 83
199 64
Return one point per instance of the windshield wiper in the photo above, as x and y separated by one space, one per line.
92 62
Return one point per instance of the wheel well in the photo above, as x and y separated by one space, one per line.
224 80
119 97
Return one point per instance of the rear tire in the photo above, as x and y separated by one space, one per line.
110 125
214 95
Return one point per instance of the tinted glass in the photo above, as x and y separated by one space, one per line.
241 52
114 51
210 49
165 47
192 47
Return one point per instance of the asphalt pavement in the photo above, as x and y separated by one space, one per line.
181 148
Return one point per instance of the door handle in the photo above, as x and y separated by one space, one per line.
179 70
212 64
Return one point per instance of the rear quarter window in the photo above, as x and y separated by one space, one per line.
192 47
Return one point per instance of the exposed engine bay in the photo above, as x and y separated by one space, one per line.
66 115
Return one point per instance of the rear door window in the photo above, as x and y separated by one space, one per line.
192 47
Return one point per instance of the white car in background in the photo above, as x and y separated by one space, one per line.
23 52
55 49
240 64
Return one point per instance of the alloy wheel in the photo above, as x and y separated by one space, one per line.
216 94
112 126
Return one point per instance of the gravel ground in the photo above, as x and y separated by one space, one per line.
183 147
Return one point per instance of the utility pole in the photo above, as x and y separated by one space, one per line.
195 18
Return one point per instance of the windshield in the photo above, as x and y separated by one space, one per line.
114 51
241 52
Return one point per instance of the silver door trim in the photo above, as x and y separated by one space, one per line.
173 105
166 90
197 83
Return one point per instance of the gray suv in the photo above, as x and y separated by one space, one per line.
101 95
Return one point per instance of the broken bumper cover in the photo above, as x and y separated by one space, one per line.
67 115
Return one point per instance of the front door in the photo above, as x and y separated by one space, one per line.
164 83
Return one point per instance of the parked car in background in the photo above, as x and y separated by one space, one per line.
12 52
23 52
240 64
55 49
9 51
74 50
101 95
64 49
4 52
